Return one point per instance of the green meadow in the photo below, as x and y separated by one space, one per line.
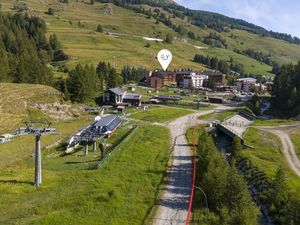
161 114
267 150
74 192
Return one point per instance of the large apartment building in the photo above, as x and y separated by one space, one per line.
184 78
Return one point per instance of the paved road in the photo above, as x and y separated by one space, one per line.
174 201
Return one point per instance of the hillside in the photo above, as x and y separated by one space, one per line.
23 102
75 25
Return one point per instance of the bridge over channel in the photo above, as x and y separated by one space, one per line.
236 125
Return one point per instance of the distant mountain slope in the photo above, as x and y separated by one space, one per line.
124 27
211 20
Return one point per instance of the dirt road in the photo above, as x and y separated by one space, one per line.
288 147
174 201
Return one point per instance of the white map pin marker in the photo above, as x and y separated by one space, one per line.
164 57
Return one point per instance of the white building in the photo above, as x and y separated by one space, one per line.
245 84
196 79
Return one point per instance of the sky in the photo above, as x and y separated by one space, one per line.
277 15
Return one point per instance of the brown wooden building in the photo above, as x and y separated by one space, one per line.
161 79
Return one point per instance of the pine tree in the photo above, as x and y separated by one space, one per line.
169 38
236 147
54 43
99 28
50 11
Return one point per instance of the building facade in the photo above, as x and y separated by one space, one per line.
196 80
245 84
161 79
184 78
118 96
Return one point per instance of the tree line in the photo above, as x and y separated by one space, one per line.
132 74
219 64
25 50
258 55
156 14
215 40
86 83
204 19
286 90
228 199
224 184
274 194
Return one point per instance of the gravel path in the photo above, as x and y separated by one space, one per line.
282 132
174 201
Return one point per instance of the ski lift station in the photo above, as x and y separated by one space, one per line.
102 127
106 125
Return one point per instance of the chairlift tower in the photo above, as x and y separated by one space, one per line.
38 154
86 139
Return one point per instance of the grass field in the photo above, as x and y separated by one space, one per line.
161 114
267 155
22 146
273 122
221 116
74 194
295 136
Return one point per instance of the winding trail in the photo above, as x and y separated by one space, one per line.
174 201
289 149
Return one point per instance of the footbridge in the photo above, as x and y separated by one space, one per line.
236 125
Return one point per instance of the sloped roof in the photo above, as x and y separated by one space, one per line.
247 79
117 90
105 121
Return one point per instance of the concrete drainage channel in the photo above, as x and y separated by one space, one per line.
114 148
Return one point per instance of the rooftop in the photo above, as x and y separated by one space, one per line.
104 121
132 96
249 79
165 97
210 73
117 90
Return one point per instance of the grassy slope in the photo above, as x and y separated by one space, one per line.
295 136
71 194
16 102
15 99
250 65
161 114
273 122
268 151
84 45
281 51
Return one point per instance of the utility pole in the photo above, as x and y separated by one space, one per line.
38 160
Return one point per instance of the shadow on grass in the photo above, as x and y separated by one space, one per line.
96 160
16 182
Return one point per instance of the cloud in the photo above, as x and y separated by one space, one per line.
276 15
